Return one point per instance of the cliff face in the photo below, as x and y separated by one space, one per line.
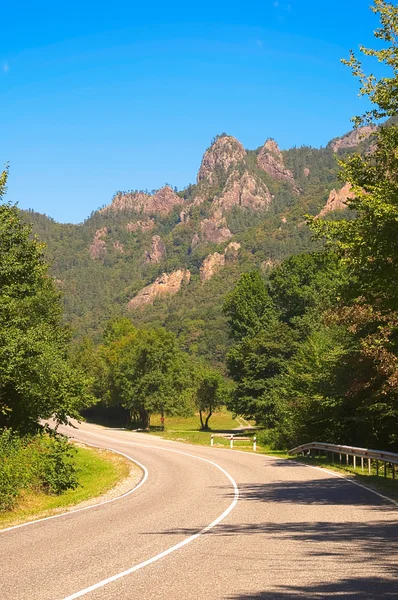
337 200
353 138
270 160
225 151
214 262
215 229
146 225
165 285
161 202
98 249
246 191
157 252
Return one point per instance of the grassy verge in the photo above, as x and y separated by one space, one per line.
98 471
222 423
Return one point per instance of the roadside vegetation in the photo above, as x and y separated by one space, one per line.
95 473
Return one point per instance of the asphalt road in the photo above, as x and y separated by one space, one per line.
295 533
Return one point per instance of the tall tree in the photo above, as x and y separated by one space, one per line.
36 378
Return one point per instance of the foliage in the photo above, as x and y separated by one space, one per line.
211 393
248 307
39 462
37 381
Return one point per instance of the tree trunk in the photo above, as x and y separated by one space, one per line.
201 420
145 418
207 419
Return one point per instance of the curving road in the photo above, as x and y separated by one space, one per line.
296 532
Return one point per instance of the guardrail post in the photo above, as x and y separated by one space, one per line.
385 469
369 466
212 440
377 467
231 441
354 458
254 443
361 463
340 458
347 459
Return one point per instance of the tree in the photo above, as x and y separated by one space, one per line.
36 379
248 306
210 394
368 244
152 375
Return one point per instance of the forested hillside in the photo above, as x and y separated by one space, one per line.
245 211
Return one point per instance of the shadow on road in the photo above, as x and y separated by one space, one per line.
328 491
355 588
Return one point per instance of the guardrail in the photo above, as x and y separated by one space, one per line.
388 458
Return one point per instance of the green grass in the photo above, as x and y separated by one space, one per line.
187 429
99 471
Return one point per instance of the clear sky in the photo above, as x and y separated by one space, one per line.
103 96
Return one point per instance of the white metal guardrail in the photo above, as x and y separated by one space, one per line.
387 458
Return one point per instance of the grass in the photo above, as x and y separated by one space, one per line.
99 471
187 429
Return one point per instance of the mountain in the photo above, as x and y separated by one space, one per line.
169 257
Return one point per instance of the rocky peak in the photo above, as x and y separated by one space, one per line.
337 200
165 285
270 160
244 190
353 138
157 251
162 202
224 152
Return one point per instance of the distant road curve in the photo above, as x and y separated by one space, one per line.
296 532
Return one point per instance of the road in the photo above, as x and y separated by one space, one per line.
296 532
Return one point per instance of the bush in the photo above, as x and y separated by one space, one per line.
41 462
14 472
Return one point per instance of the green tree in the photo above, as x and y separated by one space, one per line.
248 307
36 378
211 392
152 375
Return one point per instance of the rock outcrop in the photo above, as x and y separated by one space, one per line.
214 262
244 190
165 285
146 225
337 200
157 251
270 160
161 202
215 228
98 247
306 172
118 246
223 153
353 138
211 265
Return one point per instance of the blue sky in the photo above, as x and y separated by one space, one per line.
97 97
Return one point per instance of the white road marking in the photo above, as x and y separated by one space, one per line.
71 512
188 540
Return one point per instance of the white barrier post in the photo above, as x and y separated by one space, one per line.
231 441
254 444
212 440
